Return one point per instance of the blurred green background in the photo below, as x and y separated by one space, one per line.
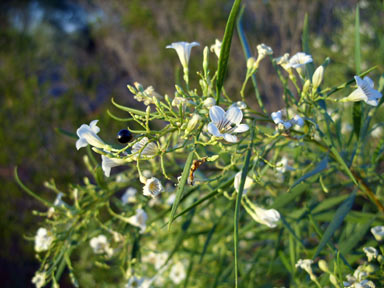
61 62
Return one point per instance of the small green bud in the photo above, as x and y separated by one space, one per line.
213 158
323 265
139 86
333 280
306 86
132 89
250 62
317 77
205 58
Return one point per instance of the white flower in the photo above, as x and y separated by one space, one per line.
88 135
129 196
225 123
195 120
364 92
282 166
378 232
277 117
147 96
299 60
297 120
371 253
305 264
139 219
157 259
108 163
148 149
283 61
58 203
358 279
209 102
216 48
171 199
377 132
152 187
239 104
39 279
248 183
147 173
100 245
268 217
263 50
177 273
183 50
43 240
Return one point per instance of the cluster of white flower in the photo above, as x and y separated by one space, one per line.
100 245
277 118
43 239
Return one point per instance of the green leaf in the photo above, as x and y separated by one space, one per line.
357 106
338 219
343 164
66 133
305 44
289 196
180 187
244 173
128 109
323 164
225 48
347 246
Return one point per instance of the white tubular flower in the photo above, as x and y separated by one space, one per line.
305 264
177 273
299 60
100 245
108 163
268 217
149 149
43 240
318 77
139 219
378 232
283 61
277 118
297 120
183 50
216 48
364 92
129 196
248 183
209 102
225 123
88 135
371 253
39 279
263 50
152 187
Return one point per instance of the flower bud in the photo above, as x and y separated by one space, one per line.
209 102
205 58
132 89
317 77
306 86
323 266
139 86
333 280
250 62
196 118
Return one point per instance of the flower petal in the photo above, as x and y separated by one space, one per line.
240 128
213 130
230 138
216 113
369 81
80 143
234 115
93 126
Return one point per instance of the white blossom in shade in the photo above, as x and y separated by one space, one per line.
371 253
247 184
225 123
299 60
216 48
358 279
297 121
239 104
209 102
43 239
377 132
378 232
268 217
129 196
107 163
364 92
88 135
58 203
177 274
39 279
283 61
100 245
183 50
263 50
139 219
277 118
152 187
305 264
282 166
148 149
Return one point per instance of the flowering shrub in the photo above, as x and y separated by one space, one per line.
222 194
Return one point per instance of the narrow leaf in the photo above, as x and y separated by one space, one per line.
323 164
225 48
357 106
338 219
305 44
180 187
